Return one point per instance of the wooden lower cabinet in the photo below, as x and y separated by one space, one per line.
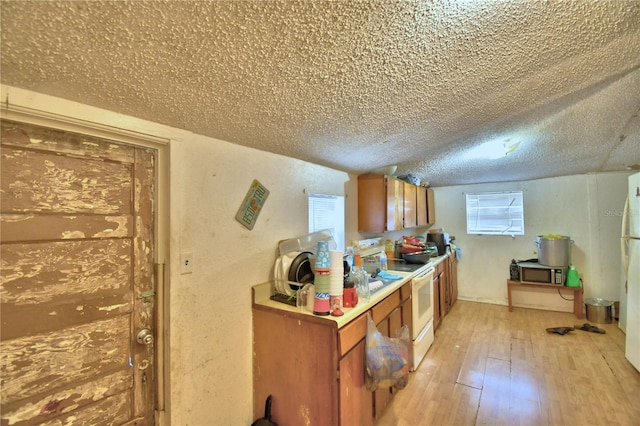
356 407
444 294
439 306
314 371
388 327
437 315
445 288
453 278
382 396
295 361
389 316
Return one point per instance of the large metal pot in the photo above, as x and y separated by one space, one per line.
598 310
554 251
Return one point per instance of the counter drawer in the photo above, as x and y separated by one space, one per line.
405 291
385 307
352 333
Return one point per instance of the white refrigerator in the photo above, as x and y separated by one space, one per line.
630 297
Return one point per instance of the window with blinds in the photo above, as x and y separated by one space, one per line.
327 212
495 213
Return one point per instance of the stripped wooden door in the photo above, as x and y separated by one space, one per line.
77 284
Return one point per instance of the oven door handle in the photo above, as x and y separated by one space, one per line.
429 271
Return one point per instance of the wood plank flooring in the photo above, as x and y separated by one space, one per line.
489 366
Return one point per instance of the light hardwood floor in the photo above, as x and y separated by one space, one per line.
489 366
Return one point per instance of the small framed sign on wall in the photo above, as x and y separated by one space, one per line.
252 205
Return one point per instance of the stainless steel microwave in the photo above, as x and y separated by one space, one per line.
535 273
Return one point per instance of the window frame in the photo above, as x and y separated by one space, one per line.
491 223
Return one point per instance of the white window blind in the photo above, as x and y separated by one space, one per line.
495 213
327 212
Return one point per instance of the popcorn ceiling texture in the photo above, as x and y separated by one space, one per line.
355 85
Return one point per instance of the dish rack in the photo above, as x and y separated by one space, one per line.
283 290
288 295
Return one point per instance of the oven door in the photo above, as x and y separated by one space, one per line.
421 345
421 302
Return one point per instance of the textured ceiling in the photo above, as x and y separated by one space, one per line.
355 85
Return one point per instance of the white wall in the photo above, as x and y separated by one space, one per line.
211 310
210 355
586 207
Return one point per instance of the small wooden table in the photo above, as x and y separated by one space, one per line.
577 294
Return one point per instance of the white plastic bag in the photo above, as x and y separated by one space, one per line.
387 359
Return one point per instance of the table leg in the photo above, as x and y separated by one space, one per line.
509 297
577 303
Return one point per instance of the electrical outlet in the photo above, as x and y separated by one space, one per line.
186 263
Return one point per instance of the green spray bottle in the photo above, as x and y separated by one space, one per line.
573 280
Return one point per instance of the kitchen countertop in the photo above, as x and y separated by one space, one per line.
262 293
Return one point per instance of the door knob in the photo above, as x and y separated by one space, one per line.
144 337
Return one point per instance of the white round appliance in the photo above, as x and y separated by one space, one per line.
293 267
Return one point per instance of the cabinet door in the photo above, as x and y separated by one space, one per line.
406 314
450 283
421 206
395 204
431 207
443 283
400 317
395 322
437 314
405 309
293 359
453 278
410 205
356 402
372 203
382 396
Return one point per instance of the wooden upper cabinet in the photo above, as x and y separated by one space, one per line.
410 205
431 208
389 204
380 203
372 203
395 204
421 206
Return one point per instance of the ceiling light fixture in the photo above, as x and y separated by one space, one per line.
494 149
